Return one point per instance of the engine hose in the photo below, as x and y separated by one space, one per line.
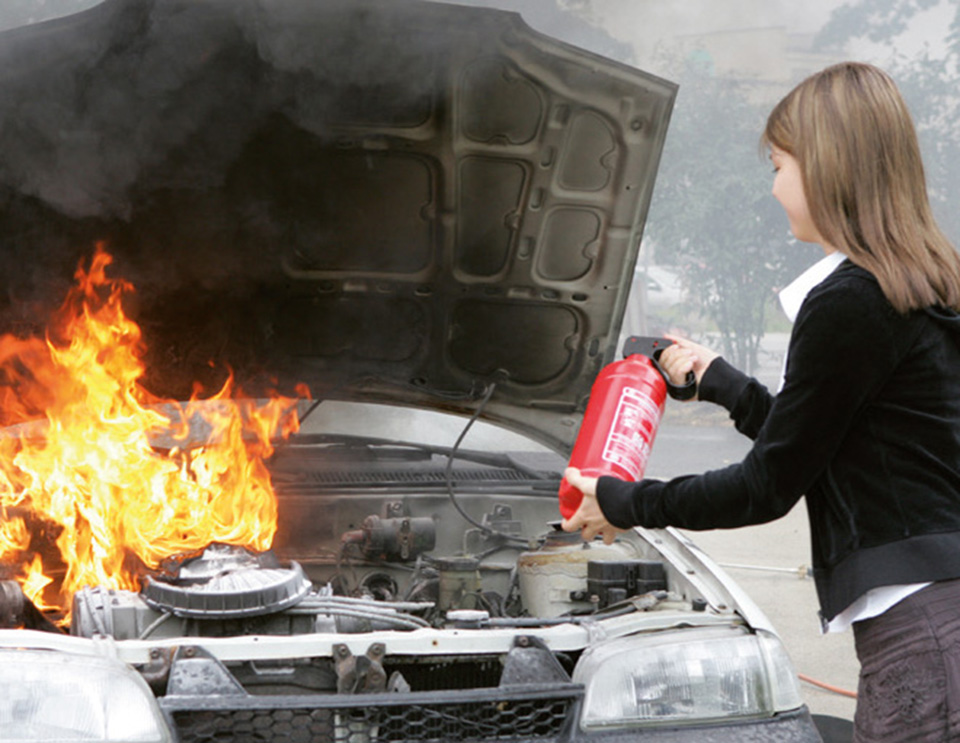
154 624
374 603
361 612
395 620
827 687
405 621
372 608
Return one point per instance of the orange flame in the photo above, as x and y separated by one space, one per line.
94 468
14 537
34 582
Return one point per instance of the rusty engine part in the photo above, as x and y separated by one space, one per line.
400 538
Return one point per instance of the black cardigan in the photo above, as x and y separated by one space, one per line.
867 425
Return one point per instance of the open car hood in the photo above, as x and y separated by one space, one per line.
389 201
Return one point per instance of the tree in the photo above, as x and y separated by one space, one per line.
713 215
880 21
928 80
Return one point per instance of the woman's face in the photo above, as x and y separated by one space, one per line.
788 190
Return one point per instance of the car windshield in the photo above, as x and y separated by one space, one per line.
412 426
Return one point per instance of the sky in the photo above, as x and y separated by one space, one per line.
704 16
644 23
627 19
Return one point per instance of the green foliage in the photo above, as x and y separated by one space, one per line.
713 215
929 84
877 20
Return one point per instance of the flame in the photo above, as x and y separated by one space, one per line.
93 467
14 537
35 582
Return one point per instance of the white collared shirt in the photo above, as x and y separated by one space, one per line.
877 600
792 296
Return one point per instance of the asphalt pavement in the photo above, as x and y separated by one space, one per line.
769 561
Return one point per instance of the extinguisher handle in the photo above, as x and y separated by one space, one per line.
652 348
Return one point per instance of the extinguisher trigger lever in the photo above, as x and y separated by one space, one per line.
652 347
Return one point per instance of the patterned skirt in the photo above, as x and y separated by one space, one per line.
909 687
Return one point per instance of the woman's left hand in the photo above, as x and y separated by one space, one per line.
589 519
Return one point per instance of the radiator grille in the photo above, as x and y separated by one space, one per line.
440 717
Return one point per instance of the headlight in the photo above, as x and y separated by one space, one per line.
54 696
689 675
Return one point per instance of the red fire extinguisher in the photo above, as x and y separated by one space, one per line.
622 417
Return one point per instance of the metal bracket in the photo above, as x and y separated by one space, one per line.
531 662
194 672
157 672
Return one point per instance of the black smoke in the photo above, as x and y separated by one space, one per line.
217 148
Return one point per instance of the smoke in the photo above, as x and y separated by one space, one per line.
219 148
164 94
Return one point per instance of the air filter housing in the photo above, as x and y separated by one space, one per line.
226 582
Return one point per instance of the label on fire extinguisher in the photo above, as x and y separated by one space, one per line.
631 435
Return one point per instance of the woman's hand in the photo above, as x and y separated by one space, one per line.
683 357
589 519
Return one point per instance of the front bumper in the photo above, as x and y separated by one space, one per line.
545 713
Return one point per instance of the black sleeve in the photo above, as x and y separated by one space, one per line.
747 401
842 349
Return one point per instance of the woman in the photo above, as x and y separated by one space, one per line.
866 424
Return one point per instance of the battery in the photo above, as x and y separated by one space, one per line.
615 581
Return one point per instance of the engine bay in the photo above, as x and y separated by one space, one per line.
385 547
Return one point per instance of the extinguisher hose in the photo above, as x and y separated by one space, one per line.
827 687
448 474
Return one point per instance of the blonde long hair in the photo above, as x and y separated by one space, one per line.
851 132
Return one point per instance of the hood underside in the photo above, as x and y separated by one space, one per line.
390 201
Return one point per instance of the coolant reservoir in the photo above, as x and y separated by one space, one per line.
553 579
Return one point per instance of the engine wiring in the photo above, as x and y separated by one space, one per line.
511 541
313 406
448 475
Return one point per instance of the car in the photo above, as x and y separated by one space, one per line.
430 216
664 287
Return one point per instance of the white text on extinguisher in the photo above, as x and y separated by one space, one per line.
631 435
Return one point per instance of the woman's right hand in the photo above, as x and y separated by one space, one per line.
683 357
